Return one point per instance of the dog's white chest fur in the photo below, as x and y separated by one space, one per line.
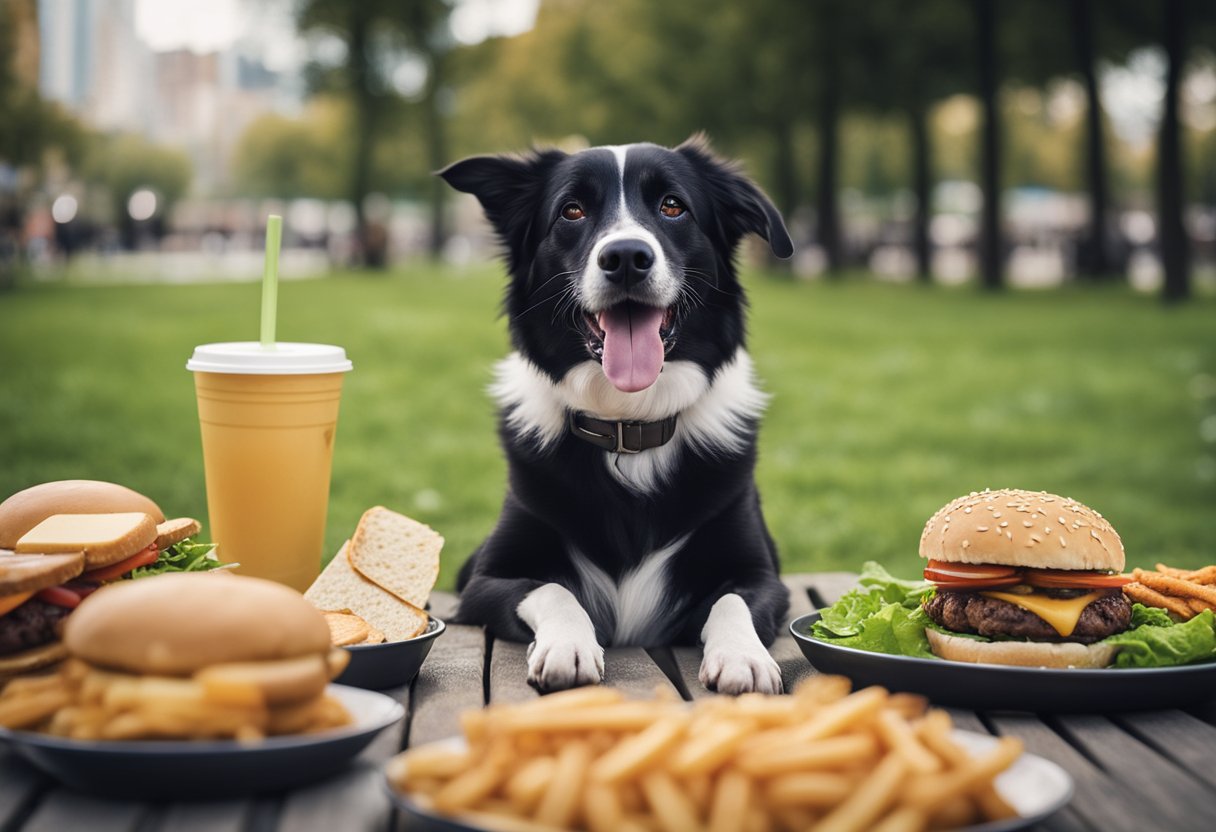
713 414
638 603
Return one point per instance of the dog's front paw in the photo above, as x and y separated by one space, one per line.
740 671
564 661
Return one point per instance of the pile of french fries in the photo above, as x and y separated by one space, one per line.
1182 592
821 758
83 702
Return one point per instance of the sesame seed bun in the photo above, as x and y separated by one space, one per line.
1019 653
177 624
26 509
27 661
1031 529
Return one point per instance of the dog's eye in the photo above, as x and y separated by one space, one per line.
671 207
573 211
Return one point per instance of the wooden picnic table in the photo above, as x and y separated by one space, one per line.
1136 771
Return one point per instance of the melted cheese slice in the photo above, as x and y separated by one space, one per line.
1061 613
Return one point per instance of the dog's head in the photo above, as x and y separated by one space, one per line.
622 255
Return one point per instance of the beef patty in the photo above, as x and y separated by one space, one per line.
30 625
970 612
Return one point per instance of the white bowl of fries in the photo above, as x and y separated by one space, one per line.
821 758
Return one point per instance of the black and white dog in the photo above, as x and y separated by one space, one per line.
629 414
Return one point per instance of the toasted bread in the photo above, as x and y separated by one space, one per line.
104 538
175 531
341 587
396 553
30 573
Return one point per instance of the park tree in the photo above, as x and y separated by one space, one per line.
124 163
916 53
991 239
376 35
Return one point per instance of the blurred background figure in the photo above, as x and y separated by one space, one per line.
1028 143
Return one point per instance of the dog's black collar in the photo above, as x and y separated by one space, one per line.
622 437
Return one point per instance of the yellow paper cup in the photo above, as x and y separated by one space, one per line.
268 418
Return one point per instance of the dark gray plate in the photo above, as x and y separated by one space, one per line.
392 664
177 770
1002 687
1035 787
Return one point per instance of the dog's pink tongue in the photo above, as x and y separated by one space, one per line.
633 348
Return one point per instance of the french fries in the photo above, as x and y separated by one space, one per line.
82 702
822 758
1184 593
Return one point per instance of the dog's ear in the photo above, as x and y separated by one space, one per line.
507 188
740 205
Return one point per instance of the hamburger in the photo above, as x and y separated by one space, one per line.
63 540
1036 573
193 657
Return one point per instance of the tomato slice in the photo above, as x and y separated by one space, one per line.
1069 579
60 596
972 584
117 570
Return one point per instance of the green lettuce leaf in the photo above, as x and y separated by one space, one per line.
183 556
1160 642
882 615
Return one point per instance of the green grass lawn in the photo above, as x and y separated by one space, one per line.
887 402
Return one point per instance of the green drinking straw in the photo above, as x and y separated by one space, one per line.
270 279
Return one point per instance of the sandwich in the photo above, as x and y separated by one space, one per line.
1037 575
382 576
188 657
63 540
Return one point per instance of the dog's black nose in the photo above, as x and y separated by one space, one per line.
626 261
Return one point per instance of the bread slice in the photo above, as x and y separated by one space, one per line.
30 573
341 587
104 538
175 531
396 553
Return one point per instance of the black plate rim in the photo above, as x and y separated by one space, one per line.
431 632
1101 673
175 748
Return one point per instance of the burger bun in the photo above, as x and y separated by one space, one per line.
1019 653
178 624
1029 529
26 509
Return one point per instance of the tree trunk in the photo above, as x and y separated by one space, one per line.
922 187
1171 196
372 243
826 207
1095 260
437 154
990 179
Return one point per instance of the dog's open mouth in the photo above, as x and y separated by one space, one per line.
631 341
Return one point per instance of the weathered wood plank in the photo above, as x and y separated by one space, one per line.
61 809
688 663
829 586
216 816
800 601
509 672
1182 803
1101 800
630 669
1188 741
966 720
354 801
20 786
450 681
443 605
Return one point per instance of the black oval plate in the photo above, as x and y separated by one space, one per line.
208 769
391 664
1002 687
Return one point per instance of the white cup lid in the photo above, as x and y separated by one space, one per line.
284 358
